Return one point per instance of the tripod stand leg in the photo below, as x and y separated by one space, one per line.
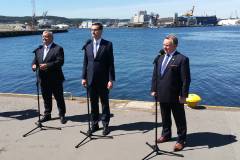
80 143
42 127
25 135
47 127
148 155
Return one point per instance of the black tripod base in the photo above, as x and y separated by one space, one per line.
42 127
91 137
157 151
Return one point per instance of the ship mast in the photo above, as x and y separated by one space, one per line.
33 14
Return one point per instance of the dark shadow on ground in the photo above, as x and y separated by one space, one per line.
136 126
81 118
20 115
209 139
198 107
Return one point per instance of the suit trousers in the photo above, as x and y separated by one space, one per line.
53 88
97 91
178 112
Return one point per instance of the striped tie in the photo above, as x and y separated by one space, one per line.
164 64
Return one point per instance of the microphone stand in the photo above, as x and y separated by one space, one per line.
89 134
39 124
155 148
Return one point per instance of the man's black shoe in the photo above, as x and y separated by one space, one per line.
45 118
106 131
93 129
63 119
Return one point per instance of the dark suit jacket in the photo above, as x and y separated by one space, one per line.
174 82
54 61
100 68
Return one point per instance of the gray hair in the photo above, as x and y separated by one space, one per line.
173 38
48 32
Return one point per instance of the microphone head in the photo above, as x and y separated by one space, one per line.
39 47
87 42
162 52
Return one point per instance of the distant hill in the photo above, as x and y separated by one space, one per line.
57 20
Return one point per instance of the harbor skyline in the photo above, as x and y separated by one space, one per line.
123 9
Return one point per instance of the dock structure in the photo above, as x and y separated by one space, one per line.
213 132
15 33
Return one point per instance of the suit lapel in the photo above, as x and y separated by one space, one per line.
100 49
41 55
171 62
160 61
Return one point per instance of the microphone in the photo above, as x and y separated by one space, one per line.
156 59
39 47
162 52
87 42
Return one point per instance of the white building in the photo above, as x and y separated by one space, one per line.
86 24
140 17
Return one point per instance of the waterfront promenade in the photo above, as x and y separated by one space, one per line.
213 132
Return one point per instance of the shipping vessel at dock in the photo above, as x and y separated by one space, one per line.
32 26
189 20
15 33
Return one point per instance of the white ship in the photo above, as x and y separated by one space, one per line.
229 22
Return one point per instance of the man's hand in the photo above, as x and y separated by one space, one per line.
153 94
84 82
110 85
182 100
34 67
43 66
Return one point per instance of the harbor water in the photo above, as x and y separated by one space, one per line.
213 53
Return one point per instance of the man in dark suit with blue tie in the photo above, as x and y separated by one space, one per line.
49 57
98 74
170 84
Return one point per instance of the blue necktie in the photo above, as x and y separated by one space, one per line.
164 64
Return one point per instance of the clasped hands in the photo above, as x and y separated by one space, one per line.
41 66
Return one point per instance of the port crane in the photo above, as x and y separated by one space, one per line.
34 20
189 13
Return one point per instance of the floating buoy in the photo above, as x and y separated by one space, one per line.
193 100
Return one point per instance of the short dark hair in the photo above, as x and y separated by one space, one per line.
173 38
100 26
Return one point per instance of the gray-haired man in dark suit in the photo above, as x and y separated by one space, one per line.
170 84
50 59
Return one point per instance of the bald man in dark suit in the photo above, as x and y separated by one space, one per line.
50 59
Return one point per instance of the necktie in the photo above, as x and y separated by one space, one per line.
46 49
164 64
95 49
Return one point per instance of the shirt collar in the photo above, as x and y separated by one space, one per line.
171 54
49 46
97 41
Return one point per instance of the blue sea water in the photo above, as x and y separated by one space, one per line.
213 53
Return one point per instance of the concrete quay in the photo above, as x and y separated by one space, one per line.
213 132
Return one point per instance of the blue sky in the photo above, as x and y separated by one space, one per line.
119 8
